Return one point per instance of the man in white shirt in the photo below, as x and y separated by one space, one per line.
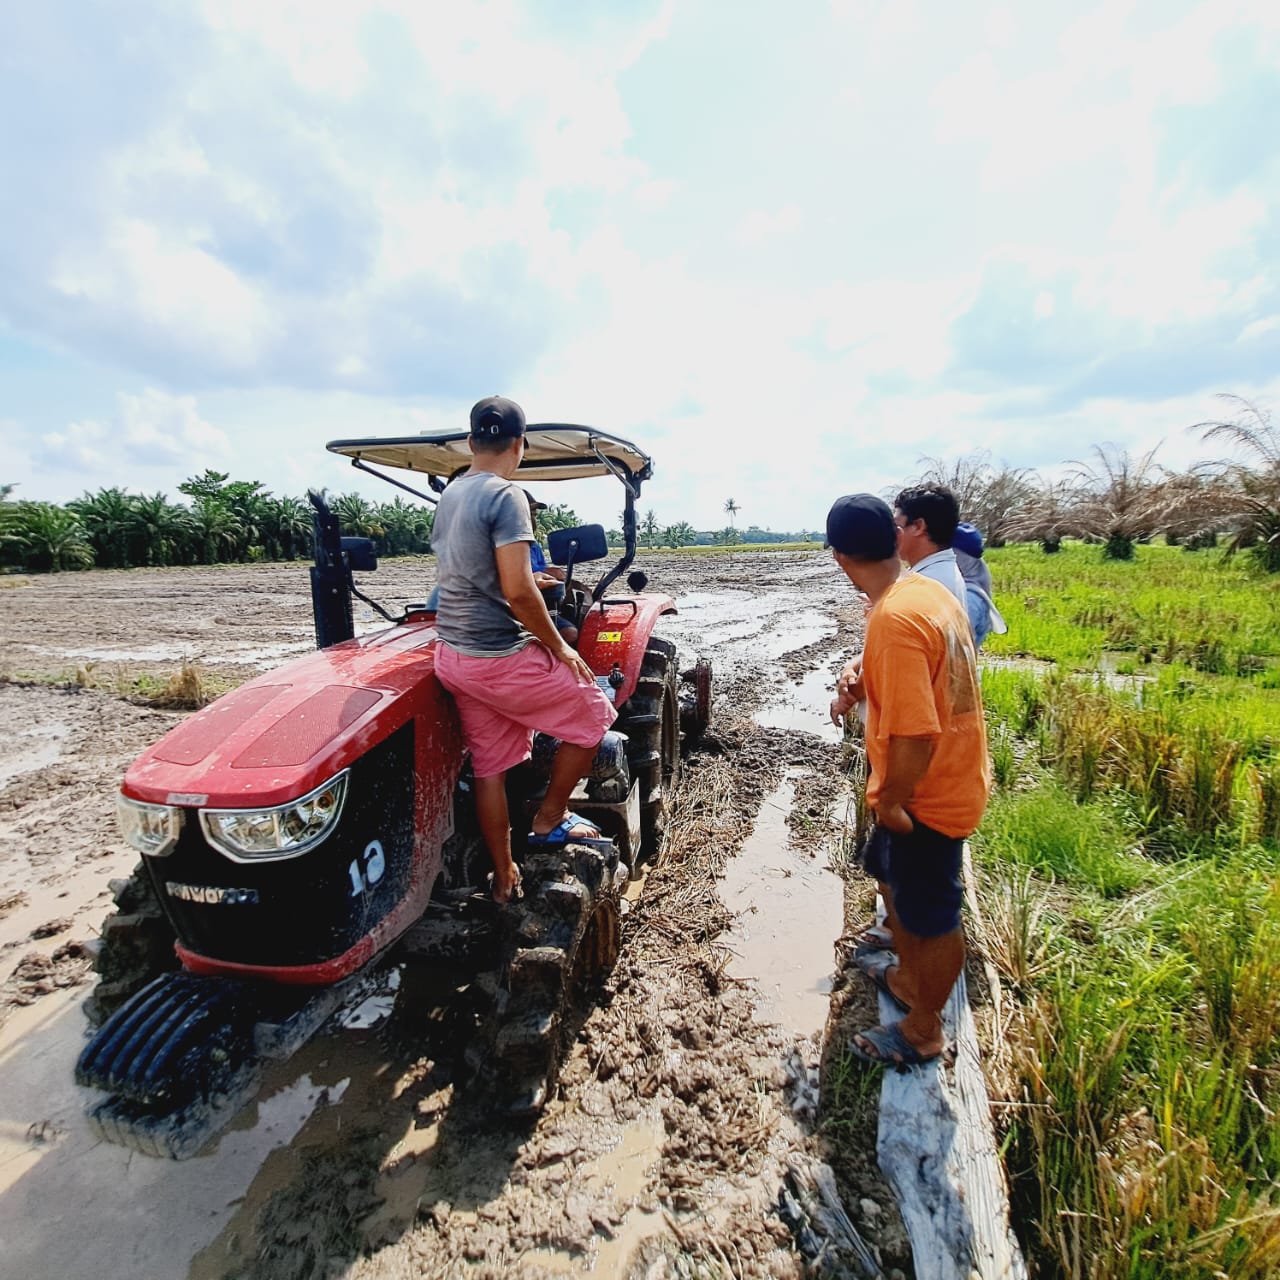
926 516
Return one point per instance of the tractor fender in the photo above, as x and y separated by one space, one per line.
616 631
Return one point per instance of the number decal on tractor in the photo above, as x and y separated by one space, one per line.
375 866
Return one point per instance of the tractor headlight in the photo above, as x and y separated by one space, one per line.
258 835
150 828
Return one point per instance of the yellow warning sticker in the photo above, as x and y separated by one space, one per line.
610 637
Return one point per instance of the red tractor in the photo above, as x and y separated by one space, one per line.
315 825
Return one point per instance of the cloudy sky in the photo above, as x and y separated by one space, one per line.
787 249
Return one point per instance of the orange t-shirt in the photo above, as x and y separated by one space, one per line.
920 673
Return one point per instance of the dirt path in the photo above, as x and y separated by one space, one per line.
692 1087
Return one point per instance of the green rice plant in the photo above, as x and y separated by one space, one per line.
850 1098
1018 930
1046 831
1261 785
1004 758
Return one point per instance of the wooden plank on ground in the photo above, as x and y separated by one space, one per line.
937 1150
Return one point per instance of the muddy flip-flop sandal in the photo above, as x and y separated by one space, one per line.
563 834
892 1048
876 965
517 890
873 937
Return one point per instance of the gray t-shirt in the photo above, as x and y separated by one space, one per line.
478 513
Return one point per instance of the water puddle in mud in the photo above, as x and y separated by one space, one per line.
623 1172
789 912
740 626
30 750
78 1208
804 707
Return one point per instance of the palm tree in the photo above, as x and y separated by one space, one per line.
357 516
989 496
406 527
163 527
649 527
51 537
1122 500
286 526
732 509
1047 514
1251 493
110 518
215 531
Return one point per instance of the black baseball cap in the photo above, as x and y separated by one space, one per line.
495 417
861 525
533 502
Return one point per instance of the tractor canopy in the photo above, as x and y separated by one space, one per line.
553 451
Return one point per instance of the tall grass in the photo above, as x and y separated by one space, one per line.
1130 870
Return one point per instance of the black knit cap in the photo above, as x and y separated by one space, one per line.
496 416
861 525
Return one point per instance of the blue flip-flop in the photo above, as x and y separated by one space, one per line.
560 835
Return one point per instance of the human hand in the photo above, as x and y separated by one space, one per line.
574 661
849 682
895 818
840 707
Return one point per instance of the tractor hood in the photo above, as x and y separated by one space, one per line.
285 733
553 451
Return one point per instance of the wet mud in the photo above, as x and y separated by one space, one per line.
693 1085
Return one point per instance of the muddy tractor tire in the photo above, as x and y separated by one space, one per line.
563 941
134 946
651 721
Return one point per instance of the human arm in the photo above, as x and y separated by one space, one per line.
908 761
525 600
849 689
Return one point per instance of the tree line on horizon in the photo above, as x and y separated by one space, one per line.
1112 498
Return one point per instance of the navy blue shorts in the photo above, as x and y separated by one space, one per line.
923 871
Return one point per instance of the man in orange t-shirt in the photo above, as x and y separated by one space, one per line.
930 774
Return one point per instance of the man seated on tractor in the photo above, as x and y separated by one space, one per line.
500 654
548 578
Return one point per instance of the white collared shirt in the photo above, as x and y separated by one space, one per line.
942 567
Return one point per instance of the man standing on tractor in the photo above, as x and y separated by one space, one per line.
500 655
929 773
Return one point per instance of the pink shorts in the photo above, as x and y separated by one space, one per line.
501 701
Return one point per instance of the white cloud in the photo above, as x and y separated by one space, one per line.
872 233
153 438
760 225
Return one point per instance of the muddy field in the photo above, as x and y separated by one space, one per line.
689 1103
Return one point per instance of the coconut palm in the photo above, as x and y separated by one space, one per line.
731 509
649 527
